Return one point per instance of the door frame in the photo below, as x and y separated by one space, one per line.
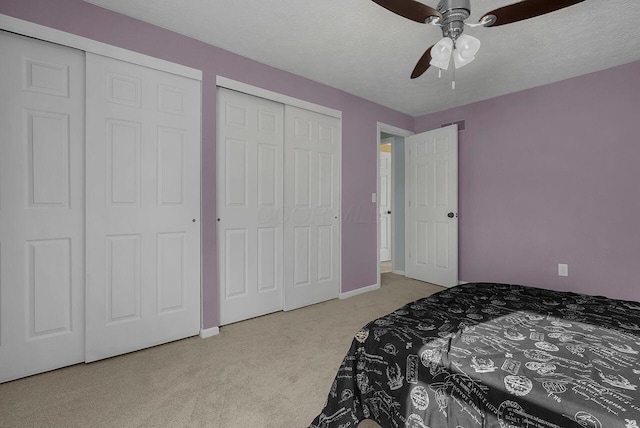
399 132
235 85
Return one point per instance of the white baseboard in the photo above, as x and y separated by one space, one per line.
358 291
398 272
208 332
462 282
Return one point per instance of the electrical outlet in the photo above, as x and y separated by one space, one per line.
563 269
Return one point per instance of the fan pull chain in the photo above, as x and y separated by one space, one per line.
453 82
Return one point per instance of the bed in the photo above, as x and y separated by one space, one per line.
493 355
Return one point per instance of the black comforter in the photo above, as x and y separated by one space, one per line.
493 355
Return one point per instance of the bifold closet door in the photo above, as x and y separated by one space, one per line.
249 205
142 207
313 145
41 206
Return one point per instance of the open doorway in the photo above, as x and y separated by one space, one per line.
391 199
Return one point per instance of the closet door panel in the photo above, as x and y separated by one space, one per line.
41 206
249 205
312 197
143 207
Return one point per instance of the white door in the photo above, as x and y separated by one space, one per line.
142 207
41 206
385 206
431 182
249 205
313 144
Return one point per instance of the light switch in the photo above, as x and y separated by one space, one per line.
373 197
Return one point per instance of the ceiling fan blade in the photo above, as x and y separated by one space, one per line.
524 10
410 9
423 64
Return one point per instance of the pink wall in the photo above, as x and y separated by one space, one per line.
358 125
551 175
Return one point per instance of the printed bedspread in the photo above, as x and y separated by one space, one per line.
493 355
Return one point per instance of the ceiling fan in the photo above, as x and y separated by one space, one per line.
450 16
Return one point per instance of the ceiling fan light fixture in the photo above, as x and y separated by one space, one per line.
441 53
459 61
451 15
465 51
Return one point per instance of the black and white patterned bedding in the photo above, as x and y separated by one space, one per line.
493 355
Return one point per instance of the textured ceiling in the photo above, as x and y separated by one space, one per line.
361 48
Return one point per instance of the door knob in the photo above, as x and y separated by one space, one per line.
389 212
450 215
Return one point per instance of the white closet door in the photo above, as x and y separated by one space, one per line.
143 207
432 206
313 145
41 206
249 199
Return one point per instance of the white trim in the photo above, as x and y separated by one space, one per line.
392 247
339 249
48 34
358 291
462 282
208 332
393 130
398 272
234 85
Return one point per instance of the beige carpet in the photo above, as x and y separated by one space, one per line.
273 371
386 267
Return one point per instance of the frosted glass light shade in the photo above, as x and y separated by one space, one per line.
466 49
441 53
